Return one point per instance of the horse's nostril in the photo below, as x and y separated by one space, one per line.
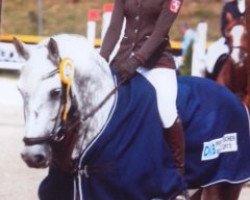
39 158
35 160
23 156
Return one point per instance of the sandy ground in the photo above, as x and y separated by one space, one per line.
18 182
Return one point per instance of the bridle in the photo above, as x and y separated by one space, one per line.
243 55
68 107
236 70
64 134
242 49
60 128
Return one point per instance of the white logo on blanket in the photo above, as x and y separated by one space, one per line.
213 148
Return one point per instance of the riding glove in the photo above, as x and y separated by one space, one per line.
127 69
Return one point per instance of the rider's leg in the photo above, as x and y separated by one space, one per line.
165 83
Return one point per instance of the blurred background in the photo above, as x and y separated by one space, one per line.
21 16
35 18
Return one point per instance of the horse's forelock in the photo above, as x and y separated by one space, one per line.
235 22
35 69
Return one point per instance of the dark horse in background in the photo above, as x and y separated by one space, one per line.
231 69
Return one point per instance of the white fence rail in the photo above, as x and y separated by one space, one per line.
199 50
9 58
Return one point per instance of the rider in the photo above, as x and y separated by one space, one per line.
146 43
236 8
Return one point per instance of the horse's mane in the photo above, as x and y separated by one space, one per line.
79 49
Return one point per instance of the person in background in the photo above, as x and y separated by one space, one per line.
188 37
236 8
145 44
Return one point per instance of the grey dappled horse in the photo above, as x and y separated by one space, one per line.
69 94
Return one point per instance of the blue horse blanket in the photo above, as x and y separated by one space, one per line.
130 160
217 136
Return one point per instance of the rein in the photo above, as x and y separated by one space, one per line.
64 134
243 55
94 110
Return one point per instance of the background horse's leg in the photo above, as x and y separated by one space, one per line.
222 191
196 195
224 75
211 193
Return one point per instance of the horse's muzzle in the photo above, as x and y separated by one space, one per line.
35 158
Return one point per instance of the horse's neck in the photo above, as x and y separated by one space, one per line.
92 90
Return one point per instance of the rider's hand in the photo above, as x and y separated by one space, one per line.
127 69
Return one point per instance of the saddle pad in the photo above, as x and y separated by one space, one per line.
217 133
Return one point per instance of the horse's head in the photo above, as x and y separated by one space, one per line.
62 81
236 37
45 85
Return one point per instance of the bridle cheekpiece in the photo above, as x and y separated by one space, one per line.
66 73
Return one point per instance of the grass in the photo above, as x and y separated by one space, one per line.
20 16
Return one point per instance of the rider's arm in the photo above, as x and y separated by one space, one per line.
114 30
169 12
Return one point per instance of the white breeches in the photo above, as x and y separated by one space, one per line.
165 83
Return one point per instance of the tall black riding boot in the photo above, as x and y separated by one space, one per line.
174 137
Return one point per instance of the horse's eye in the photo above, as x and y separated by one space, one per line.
55 94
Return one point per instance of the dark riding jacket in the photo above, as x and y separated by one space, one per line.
146 32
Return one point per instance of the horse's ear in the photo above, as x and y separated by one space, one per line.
20 48
53 52
229 17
